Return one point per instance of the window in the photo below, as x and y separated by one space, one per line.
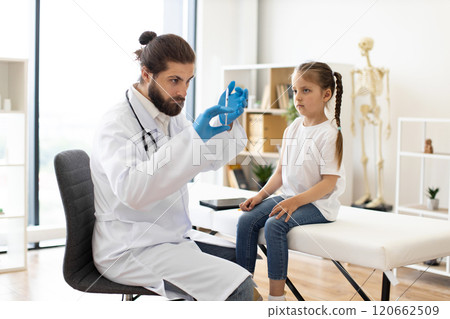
86 65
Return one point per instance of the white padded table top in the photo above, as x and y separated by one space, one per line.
367 238
374 239
202 216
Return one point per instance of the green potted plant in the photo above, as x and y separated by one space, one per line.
432 204
262 173
432 201
291 113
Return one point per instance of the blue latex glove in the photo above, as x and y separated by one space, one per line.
201 124
237 101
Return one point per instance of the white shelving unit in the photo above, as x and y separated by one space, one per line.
256 78
423 170
13 165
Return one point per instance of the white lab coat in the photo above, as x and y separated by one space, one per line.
142 234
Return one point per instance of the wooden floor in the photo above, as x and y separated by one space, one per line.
315 278
320 279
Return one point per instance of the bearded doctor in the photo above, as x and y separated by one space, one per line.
145 152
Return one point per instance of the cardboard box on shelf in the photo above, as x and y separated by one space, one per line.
269 127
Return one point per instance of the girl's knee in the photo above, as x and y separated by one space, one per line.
244 219
275 225
245 222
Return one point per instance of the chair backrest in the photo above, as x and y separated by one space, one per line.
73 174
77 193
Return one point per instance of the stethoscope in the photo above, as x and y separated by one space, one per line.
143 130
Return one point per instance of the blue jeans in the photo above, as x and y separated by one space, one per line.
275 231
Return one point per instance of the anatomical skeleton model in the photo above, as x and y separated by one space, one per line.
369 81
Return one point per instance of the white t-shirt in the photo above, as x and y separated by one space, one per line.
308 152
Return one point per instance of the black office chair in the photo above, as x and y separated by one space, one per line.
77 193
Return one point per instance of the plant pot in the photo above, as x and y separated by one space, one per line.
433 204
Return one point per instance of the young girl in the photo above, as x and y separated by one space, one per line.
309 172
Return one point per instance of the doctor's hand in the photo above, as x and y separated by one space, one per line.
201 123
237 101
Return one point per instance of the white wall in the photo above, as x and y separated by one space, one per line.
16 28
411 39
226 34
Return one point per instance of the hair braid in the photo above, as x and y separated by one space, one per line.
337 116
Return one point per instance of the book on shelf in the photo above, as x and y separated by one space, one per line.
283 95
279 90
236 177
265 101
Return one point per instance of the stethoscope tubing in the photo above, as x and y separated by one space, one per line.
142 127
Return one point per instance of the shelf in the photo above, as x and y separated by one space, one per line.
10 216
422 210
266 111
425 155
439 269
274 155
416 179
11 264
250 67
423 120
3 112
12 165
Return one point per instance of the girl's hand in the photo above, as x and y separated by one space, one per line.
287 206
250 203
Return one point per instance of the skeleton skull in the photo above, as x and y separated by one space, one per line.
366 44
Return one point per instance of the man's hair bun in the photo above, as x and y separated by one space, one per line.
155 52
146 37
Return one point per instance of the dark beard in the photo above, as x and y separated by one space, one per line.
169 106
